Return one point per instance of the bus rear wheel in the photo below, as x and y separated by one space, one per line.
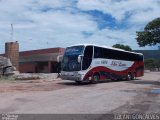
133 76
129 76
95 78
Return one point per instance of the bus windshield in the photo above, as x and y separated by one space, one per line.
70 58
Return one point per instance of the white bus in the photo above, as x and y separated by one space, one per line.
95 63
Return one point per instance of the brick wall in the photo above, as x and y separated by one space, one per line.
12 52
27 67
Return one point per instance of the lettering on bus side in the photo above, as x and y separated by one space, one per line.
104 62
97 62
117 63
122 64
114 63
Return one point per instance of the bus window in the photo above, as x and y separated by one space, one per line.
97 52
87 58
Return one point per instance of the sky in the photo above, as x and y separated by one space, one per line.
39 24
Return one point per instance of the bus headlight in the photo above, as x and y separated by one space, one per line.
79 76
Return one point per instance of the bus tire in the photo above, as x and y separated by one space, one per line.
134 76
78 82
129 76
95 78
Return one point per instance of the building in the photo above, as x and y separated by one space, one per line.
45 60
40 61
34 61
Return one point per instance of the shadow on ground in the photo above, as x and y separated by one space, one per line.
73 83
144 82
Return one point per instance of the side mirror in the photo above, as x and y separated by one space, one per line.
80 58
59 58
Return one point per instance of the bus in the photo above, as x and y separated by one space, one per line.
95 63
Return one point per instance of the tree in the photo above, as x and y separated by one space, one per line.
152 64
157 64
151 34
149 64
124 47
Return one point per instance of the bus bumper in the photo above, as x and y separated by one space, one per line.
73 78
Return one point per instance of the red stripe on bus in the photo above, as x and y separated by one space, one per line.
120 73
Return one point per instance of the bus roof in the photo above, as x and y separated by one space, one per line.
104 46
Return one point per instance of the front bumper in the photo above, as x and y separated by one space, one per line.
69 77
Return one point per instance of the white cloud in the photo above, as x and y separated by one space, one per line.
119 10
36 29
59 23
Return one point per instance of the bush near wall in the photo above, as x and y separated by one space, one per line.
152 64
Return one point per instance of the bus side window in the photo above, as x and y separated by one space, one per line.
87 58
107 53
97 52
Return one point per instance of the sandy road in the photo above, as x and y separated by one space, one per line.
66 97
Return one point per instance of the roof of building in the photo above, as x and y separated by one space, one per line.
49 54
42 51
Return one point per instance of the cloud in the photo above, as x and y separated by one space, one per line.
60 23
120 9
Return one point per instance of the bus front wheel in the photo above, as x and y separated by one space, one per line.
78 82
95 78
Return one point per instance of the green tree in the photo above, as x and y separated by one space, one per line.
157 64
151 64
151 34
124 47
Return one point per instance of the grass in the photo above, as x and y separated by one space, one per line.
6 78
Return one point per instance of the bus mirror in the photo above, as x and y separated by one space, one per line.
59 58
79 58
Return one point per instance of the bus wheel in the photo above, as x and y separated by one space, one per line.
78 82
129 76
133 76
95 78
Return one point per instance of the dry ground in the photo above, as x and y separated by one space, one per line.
66 97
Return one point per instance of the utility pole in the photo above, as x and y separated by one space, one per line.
11 32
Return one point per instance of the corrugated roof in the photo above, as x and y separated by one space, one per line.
42 51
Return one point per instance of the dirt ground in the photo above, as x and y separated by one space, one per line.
66 97
45 83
